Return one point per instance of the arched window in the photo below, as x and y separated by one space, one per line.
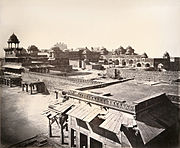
138 64
160 66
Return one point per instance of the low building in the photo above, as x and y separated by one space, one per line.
104 117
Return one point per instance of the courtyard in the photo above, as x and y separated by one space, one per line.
21 114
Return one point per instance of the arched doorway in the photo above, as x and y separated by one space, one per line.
116 62
147 65
138 64
160 66
130 62
123 63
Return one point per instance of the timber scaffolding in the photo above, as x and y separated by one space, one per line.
88 120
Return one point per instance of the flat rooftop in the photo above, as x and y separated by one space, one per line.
132 90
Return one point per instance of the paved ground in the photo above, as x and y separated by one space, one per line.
21 114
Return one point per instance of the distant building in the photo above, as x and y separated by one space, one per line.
15 59
59 60
39 60
128 58
90 55
62 46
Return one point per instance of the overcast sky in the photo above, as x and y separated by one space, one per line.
151 26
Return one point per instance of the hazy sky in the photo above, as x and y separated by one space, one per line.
151 26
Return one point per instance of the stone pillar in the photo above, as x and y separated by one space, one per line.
6 82
22 87
26 87
31 88
10 83
56 94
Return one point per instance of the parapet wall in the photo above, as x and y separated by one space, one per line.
57 82
143 75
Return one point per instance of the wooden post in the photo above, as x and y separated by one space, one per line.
62 133
60 130
50 129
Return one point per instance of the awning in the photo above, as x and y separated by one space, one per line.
148 132
114 120
149 127
12 66
62 107
84 112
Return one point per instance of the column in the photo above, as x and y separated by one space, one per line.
22 87
88 141
10 83
4 81
56 94
60 130
62 133
7 82
31 88
50 129
70 133
77 138
26 87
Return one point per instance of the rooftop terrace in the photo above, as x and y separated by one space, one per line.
130 91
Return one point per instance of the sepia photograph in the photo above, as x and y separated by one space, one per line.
90 73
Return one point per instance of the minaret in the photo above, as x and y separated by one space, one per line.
13 41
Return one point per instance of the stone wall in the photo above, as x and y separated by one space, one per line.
57 82
143 75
